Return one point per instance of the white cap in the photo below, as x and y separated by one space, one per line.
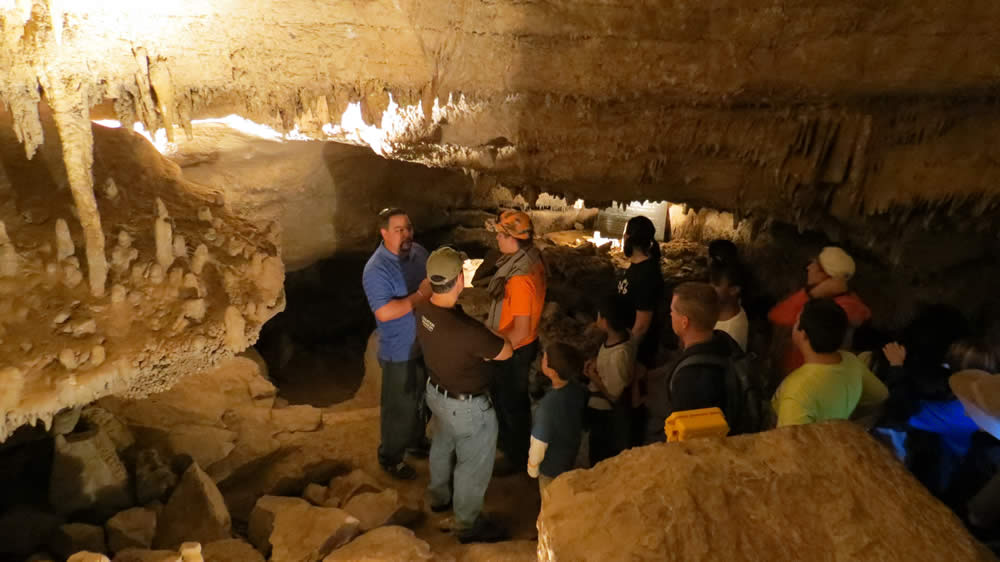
836 262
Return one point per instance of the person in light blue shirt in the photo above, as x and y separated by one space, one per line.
394 281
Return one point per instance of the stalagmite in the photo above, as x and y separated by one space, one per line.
236 339
163 233
97 355
199 259
180 247
191 552
64 242
8 255
69 99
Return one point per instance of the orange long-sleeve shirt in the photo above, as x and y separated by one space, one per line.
786 313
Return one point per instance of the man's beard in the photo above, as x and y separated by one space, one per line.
405 246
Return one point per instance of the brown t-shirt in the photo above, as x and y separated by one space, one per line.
454 347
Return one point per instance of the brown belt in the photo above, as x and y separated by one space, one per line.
453 395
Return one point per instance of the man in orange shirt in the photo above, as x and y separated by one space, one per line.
826 277
518 293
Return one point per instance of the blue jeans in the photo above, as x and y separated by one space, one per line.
403 422
467 431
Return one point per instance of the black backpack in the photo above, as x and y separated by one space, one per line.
744 409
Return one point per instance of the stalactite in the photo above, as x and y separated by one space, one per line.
159 79
70 104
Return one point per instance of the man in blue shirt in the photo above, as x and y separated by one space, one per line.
394 281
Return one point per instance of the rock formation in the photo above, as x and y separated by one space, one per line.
822 491
68 342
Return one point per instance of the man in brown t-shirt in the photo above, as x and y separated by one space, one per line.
456 349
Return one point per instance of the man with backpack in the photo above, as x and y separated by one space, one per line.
712 370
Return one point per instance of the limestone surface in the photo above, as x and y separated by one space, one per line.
195 512
67 342
231 550
132 528
305 533
375 509
87 474
817 492
385 544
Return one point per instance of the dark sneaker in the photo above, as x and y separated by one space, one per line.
484 530
401 471
441 508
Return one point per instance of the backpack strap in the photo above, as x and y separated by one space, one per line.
697 359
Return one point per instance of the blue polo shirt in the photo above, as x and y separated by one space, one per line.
389 277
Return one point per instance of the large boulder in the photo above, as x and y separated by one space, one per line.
221 418
87 474
132 528
195 512
298 531
385 544
231 550
261 522
815 492
343 488
374 509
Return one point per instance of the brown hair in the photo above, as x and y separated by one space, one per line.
385 214
565 360
973 354
699 303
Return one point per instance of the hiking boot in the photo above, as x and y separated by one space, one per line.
484 530
401 471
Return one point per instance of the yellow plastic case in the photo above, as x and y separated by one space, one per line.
691 424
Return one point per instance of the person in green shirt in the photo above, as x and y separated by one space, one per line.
831 383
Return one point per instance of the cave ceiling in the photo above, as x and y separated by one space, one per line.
874 121
802 109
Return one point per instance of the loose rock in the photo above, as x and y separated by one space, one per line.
343 488
375 509
385 544
231 550
75 537
132 528
195 511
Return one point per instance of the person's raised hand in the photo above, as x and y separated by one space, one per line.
895 354
829 288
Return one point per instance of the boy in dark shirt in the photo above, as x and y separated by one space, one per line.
558 427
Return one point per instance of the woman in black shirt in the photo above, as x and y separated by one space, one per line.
643 286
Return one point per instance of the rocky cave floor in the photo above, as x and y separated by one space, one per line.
295 418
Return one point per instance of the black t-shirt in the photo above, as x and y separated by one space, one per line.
454 347
559 422
643 285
